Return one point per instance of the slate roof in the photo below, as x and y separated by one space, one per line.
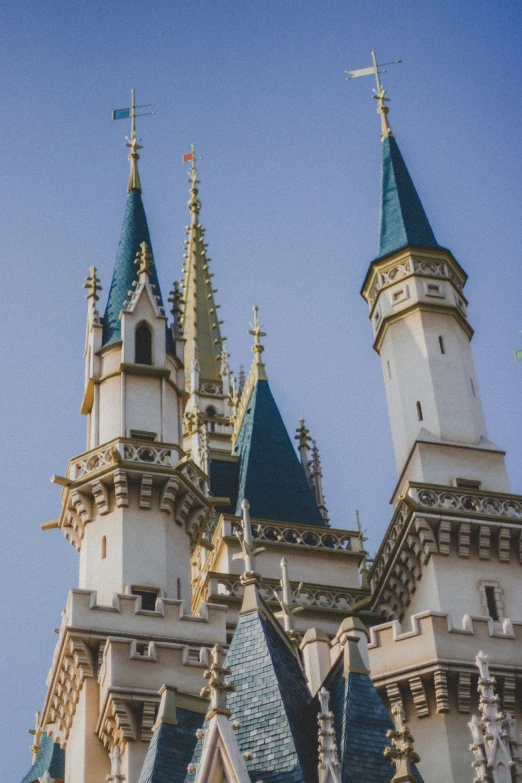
171 749
135 230
361 723
51 759
270 474
273 704
402 219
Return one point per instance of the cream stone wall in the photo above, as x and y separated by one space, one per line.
86 759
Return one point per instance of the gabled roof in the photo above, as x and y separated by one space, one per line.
270 474
361 723
171 749
134 231
402 219
51 759
271 702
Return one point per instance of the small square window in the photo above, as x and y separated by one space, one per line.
434 290
148 598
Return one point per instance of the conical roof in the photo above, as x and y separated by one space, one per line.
402 219
135 230
270 474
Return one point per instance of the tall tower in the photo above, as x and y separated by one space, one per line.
134 507
447 577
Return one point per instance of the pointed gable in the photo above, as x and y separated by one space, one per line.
50 758
270 475
361 723
272 703
403 220
134 231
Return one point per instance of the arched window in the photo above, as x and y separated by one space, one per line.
104 547
143 338
419 411
211 413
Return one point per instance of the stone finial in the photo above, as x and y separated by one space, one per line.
37 734
285 601
92 284
329 769
317 482
144 260
401 754
494 747
363 568
249 551
176 299
116 775
303 437
258 347
217 688
242 380
224 367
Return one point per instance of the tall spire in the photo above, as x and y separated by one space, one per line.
201 325
134 232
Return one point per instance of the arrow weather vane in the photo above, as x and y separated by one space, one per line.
132 142
380 92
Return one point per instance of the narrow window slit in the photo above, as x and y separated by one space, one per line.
419 411
441 344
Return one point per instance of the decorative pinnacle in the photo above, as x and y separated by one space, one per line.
194 204
328 756
287 609
217 688
401 754
303 434
92 285
176 299
144 260
249 552
258 348
379 93
132 144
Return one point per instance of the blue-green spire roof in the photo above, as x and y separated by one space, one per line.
134 231
270 475
50 758
403 220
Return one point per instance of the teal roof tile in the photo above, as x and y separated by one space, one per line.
273 705
51 759
134 231
403 220
361 723
270 474
171 749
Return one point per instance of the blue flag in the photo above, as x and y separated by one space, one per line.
121 114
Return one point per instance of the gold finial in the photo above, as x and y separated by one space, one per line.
194 204
132 142
144 259
37 734
303 434
258 348
218 688
401 754
92 285
379 93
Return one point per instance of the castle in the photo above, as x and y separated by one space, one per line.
206 552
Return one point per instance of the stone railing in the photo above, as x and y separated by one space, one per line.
124 449
462 500
302 536
309 596
410 266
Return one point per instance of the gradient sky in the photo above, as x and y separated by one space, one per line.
289 186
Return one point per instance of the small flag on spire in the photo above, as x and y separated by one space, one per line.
188 156
121 114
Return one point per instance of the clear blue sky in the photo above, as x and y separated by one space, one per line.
290 182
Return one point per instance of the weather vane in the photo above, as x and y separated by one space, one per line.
132 142
380 92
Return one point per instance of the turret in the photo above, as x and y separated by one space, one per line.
418 311
133 504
